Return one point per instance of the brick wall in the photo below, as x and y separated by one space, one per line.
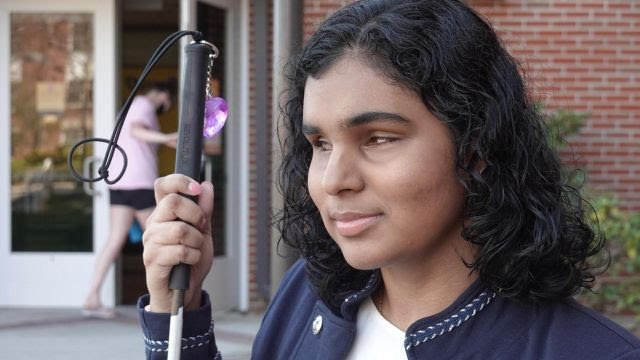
582 55
315 11
585 56
256 299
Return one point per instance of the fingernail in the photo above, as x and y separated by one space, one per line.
210 185
194 187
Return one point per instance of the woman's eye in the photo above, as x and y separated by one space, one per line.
321 145
379 140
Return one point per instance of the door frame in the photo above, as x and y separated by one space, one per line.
33 279
230 275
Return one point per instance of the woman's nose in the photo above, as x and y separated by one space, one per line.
342 173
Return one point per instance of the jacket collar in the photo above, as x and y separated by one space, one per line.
469 303
352 302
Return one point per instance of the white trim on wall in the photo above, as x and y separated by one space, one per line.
5 136
281 51
244 156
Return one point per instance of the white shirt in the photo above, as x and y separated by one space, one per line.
376 338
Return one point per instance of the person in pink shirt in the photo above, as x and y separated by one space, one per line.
132 197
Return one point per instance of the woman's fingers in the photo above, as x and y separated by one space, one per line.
171 255
171 205
178 231
205 199
168 244
175 183
173 233
175 206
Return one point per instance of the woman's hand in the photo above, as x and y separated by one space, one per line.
171 140
178 231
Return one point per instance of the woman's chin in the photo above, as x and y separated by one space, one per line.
362 261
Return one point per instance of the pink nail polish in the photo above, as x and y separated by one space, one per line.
195 188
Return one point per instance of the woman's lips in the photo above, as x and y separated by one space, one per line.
353 225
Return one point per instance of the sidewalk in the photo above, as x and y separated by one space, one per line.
64 334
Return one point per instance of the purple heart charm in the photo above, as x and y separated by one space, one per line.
215 115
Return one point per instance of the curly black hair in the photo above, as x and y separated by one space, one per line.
526 221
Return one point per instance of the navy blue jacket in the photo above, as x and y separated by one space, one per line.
478 325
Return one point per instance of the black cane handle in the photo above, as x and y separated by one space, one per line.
191 120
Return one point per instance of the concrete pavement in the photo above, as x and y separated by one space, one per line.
64 334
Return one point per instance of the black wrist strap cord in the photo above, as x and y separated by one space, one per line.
103 171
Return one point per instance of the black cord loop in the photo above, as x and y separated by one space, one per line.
103 171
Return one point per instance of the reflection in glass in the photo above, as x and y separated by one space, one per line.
51 76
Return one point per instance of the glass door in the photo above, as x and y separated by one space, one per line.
55 98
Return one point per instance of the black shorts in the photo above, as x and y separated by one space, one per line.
137 199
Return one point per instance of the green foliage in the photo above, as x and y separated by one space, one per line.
22 167
617 290
622 230
562 123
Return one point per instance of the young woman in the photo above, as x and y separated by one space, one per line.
432 218
132 198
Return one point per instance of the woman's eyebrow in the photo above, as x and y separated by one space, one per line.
360 120
374 116
309 130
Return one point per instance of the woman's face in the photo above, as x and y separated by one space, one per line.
382 173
